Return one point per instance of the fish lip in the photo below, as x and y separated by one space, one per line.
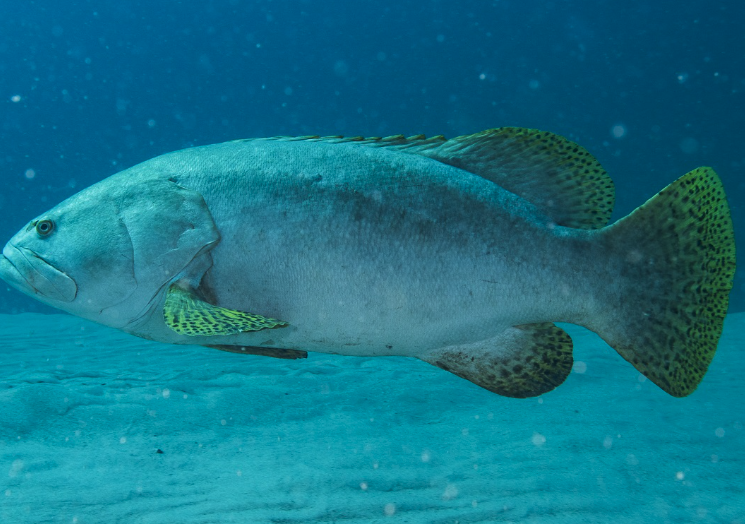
11 274
32 274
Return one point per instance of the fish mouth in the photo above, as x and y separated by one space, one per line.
29 273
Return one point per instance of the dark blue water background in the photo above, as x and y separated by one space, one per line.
653 89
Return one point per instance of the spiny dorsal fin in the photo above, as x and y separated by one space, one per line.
556 175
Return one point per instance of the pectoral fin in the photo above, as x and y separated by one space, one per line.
524 361
186 314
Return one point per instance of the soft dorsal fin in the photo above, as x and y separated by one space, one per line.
556 175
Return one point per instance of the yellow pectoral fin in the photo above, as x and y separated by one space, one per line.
187 315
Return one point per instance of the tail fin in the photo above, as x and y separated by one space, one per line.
676 256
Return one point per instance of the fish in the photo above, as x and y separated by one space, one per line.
463 253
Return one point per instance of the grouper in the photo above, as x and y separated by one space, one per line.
461 252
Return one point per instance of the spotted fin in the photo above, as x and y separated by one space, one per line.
676 266
187 315
524 361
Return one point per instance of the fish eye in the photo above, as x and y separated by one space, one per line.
44 227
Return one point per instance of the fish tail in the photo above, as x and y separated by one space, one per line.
676 264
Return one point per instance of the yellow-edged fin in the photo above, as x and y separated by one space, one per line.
187 315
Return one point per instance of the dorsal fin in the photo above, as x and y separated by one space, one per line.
556 175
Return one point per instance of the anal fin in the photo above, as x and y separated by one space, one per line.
523 361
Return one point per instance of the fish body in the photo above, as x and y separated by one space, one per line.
461 252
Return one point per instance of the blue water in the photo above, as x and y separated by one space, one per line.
652 89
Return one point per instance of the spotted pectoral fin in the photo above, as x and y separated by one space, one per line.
523 361
186 314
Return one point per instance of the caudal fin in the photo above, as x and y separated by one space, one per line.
676 257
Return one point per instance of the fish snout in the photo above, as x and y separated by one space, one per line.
29 273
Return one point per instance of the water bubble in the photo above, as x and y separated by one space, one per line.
389 509
450 492
719 432
682 78
123 440
538 439
680 475
30 174
618 131
579 367
15 98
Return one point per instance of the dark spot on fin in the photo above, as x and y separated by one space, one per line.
264 352
524 361
186 314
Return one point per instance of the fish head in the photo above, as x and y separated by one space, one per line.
107 252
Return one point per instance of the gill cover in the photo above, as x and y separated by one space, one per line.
169 226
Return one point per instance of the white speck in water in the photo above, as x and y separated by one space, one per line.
151 123
375 465
363 486
464 432
680 475
450 492
15 98
223 422
538 439
166 393
608 442
389 509
715 458
579 367
123 440
239 473
426 456
30 174
719 432
482 76
682 78
618 131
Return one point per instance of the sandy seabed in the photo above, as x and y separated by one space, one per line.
100 427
